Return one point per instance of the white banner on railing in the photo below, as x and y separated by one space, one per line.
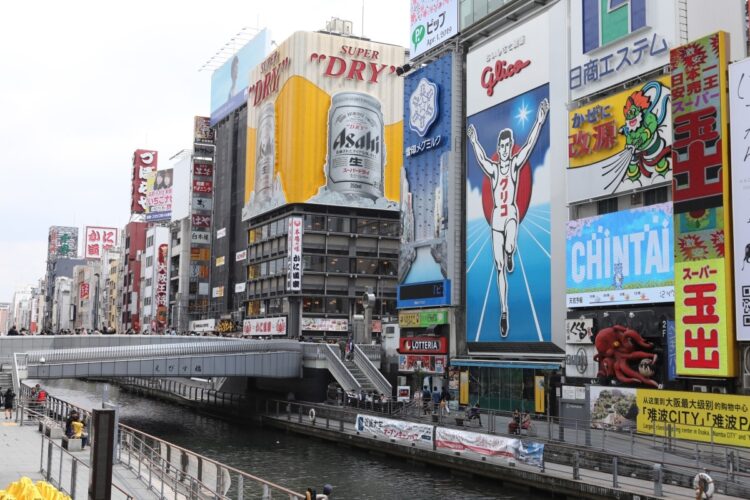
399 430
483 444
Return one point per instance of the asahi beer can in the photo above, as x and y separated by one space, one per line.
356 151
264 152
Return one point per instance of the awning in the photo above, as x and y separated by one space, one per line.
487 363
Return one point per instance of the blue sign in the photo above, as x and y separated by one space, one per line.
508 263
229 83
624 257
606 21
424 203
671 351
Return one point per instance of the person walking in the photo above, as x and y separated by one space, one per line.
8 400
13 332
435 399
425 400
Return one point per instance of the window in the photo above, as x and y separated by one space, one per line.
338 224
275 306
149 241
272 230
390 228
314 263
312 305
654 196
315 222
338 265
606 206
367 226
388 267
253 308
367 266
264 232
264 269
337 305
272 268
149 281
149 261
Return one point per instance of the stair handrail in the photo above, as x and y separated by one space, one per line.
339 370
372 373
19 364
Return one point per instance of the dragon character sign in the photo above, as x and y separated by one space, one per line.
621 143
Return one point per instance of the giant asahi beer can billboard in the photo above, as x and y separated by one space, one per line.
325 125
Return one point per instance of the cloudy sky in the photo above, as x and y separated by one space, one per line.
85 83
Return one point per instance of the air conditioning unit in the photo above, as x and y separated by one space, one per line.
700 388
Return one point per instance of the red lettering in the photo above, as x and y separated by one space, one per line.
332 61
375 71
356 70
502 70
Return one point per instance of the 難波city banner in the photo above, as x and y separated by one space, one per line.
621 143
508 186
432 23
229 82
696 416
704 298
424 252
484 444
324 120
739 107
621 258
399 430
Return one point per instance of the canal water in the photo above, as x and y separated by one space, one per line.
289 460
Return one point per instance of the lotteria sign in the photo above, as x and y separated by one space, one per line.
423 345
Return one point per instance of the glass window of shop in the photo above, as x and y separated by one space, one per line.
503 389
367 266
368 226
390 228
313 305
275 306
336 305
315 222
253 308
338 224
337 264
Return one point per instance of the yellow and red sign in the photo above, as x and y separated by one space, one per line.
704 297
324 124
697 416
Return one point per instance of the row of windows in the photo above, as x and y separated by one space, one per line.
650 197
341 305
330 223
347 265
268 268
268 306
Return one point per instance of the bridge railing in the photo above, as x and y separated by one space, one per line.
372 372
342 375
168 468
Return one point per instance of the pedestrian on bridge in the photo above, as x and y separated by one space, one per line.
8 399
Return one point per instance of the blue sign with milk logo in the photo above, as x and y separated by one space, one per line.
624 257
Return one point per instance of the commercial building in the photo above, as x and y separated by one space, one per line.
62 255
20 313
111 305
321 188
154 282
4 317
135 244
86 293
62 313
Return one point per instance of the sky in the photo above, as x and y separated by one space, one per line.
83 84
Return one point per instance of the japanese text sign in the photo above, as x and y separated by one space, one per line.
264 326
621 143
432 22
739 107
84 291
294 254
99 239
697 416
144 166
704 323
161 286
704 347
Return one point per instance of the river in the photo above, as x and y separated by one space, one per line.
287 459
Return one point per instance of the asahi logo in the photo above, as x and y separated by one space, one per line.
363 142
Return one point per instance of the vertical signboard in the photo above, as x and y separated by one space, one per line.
700 159
161 287
99 239
159 196
294 254
423 262
508 187
621 143
432 22
325 125
62 242
202 131
144 166
739 107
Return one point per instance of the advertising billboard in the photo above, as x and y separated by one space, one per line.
295 229
161 287
621 143
325 324
62 241
703 238
508 268
159 196
739 109
615 41
99 239
202 131
230 81
144 166
423 258
695 416
325 125
431 23
264 326
620 258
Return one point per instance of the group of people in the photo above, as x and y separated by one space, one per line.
519 421
7 400
436 401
